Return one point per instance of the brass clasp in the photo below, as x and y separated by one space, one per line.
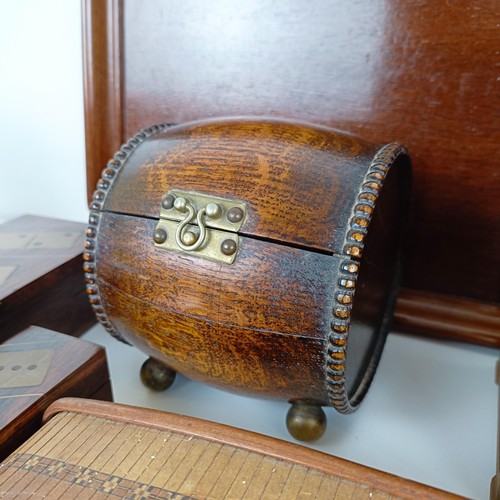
200 224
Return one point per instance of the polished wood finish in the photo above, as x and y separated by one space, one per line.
40 276
193 439
382 70
446 317
261 163
302 312
103 89
39 366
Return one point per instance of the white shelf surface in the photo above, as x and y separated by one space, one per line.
430 415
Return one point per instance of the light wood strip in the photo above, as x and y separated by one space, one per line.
135 450
294 481
104 461
328 487
345 491
275 485
245 474
195 449
69 447
101 439
194 478
19 480
220 488
5 474
169 444
54 488
43 443
53 446
150 444
124 457
380 495
169 469
260 479
35 442
311 484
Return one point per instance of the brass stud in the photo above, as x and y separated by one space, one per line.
344 298
358 236
189 238
347 283
354 251
306 422
235 214
213 210
160 236
351 267
228 247
342 312
168 202
180 204
361 222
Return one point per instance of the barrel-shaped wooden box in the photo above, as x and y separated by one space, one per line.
260 256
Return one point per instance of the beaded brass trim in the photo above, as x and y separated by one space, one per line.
104 184
346 286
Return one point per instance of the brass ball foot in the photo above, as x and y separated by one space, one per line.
156 375
306 422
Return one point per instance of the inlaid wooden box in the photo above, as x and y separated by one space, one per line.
107 450
40 276
38 366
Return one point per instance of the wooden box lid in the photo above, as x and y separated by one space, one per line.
38 366
117 450
40 276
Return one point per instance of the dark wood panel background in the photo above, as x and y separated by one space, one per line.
423 73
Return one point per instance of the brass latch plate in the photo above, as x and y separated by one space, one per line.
201 225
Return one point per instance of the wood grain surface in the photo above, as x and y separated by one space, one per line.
299 182
382 70
42 281
109 450
236 326
37 367
278 316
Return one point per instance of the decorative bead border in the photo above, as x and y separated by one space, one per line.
346 285
104 184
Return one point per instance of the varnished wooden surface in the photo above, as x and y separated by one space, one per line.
39 366
442 316
286 299
42 282
268 310
107 449
299 183
383 70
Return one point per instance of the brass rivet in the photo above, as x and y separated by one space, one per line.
189 238
228 247
235 214
168 202
160 236
180 204
213 210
